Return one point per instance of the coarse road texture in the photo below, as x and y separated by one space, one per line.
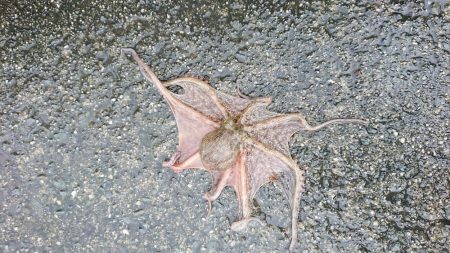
83 135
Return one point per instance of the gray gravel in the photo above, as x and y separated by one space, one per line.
83 135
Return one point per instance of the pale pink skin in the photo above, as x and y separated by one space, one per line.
237 139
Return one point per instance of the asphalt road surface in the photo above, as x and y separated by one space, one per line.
83 135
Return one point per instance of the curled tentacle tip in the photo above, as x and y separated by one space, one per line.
206 196
241 225
170 163
364 121
128 50
240 94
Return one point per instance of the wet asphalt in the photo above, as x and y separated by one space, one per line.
83 135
